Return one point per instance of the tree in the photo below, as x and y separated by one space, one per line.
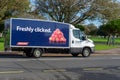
9 8
101 32
92 29
111 29
30 15
12 7
107 9
80 27
1 27
76 11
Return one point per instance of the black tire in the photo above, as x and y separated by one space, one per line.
28 53
37 53
86 52
75 54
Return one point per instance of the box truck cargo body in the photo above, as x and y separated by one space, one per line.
35 37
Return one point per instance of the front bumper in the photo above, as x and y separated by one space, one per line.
92 49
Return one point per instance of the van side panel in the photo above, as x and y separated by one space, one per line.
37 33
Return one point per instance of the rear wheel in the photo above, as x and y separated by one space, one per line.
86 52
28 53
37 53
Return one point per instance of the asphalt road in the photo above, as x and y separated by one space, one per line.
96 67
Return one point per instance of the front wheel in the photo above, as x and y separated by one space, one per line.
86 52
37 53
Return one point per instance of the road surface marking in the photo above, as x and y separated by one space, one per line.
54 70
92 69
10 72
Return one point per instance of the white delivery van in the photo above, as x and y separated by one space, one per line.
35 37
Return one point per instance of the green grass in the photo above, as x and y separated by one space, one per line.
98 39
1 44
101 43
105 47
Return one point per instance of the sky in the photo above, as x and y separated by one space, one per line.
95 22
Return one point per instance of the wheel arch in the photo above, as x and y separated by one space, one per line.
88 48
42 49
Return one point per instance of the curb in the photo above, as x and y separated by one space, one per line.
9 52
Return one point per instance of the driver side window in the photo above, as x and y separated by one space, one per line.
76 34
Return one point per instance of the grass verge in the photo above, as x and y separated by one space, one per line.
99 39
104 47
1 44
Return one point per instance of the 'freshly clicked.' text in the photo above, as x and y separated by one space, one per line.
31 29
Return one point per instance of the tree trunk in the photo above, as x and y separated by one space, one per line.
109 40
